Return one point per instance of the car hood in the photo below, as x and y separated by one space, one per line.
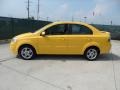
25 35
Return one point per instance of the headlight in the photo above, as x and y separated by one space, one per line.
14 39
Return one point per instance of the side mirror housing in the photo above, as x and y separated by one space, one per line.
42 33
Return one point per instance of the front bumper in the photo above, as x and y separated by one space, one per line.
13 48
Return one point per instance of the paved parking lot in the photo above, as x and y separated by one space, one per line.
60 72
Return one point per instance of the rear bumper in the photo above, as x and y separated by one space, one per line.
106 48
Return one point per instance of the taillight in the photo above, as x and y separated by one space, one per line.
109 39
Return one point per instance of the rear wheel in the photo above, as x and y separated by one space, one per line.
91 53
27 52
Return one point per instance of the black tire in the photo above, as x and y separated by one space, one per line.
91 53
27 52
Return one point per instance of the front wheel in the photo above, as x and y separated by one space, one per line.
26 52
91 54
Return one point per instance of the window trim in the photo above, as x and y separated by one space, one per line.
65 26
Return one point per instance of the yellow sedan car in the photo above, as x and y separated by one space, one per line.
63 38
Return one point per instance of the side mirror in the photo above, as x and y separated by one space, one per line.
42 33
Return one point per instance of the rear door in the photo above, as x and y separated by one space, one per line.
78 37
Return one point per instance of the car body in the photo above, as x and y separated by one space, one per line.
66 38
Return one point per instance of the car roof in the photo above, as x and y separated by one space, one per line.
70 22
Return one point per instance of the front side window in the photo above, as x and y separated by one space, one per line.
80 29
57 30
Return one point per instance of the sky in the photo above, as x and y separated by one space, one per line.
104 11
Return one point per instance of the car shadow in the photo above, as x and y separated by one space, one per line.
108 57
59 57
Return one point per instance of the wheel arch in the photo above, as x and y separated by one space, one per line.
91 45
22 45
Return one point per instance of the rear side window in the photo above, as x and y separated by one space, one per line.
80 29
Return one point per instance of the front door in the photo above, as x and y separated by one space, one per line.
54 41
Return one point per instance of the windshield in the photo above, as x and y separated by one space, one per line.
44 27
